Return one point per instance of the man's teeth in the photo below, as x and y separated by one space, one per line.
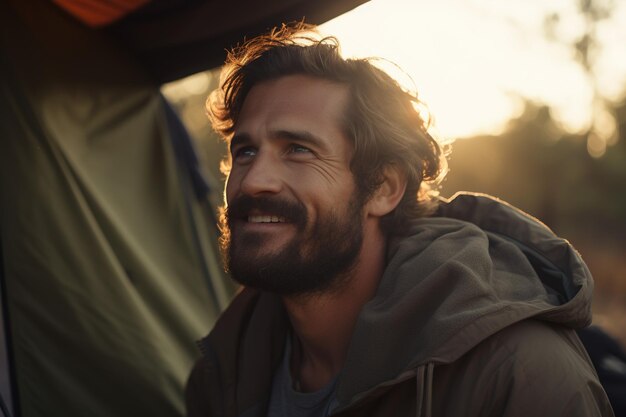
266 219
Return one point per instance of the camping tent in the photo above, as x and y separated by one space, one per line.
108 263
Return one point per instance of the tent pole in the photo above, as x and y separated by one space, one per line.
8 386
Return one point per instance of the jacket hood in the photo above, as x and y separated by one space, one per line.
475 267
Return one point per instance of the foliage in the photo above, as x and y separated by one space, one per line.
540 168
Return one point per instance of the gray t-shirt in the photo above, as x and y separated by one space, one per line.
287 402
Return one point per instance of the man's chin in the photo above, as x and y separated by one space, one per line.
286 273
261 241
271 270
258 251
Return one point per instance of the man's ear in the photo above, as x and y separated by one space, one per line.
388 195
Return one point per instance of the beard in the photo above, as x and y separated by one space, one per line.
316 260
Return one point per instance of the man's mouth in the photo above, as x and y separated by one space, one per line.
266 211
266 219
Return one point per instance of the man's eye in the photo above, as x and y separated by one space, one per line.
295 148
244 152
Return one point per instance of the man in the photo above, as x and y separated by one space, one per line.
363 295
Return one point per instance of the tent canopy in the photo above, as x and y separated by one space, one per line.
176 38
108 266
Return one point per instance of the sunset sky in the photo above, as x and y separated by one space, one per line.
472 59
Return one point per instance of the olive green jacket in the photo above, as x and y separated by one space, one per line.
474 316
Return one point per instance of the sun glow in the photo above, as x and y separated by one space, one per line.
472 61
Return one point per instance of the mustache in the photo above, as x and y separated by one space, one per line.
293 211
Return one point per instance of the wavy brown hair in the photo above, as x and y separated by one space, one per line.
383 120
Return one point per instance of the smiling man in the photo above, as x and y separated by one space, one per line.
363 294
294 214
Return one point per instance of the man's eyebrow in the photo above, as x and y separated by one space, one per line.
301 136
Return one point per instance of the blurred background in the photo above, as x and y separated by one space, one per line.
531 96
108 255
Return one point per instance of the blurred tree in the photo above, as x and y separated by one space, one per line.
547 172
586 48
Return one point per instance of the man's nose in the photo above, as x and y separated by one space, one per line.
263 176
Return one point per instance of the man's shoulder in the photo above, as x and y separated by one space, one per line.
247 306
537 340
535 349
529 367
253 327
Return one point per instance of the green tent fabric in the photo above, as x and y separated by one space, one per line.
105 255
109 261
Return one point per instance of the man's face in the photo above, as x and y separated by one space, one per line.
294 215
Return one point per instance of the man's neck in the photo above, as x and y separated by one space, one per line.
323 324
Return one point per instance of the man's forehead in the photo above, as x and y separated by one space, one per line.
294 92
294 104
